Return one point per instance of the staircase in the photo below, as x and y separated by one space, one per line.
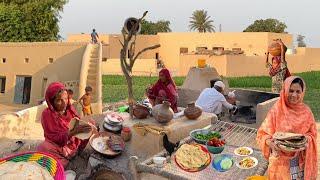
93 70
90 75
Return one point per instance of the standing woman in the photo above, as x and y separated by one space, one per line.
278 70
290 114
164 90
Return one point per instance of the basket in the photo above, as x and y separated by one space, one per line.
45 160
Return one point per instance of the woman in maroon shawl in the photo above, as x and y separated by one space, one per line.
278 70
164 89
59 141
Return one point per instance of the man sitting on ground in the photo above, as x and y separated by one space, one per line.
212 99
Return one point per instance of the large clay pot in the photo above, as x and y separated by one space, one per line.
140 111
162 112
192 111
275 49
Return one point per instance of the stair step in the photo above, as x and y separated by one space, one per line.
92 76
92 71
91 82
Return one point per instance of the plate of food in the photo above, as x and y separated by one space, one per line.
114 118
222 162
247 163
203 135
192 157
107 143
243 151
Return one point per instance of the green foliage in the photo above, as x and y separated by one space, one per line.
300 40
30 20
149 27
201 22
115 87
267 25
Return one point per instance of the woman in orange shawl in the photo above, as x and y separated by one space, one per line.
290 114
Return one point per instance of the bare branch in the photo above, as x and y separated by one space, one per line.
146 49
123 58
120 42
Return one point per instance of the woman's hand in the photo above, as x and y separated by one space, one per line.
80 129
272 145
279 41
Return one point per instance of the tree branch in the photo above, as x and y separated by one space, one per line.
146 49
142 51
121 43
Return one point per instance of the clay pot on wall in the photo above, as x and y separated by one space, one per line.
140 111
162 112
192 111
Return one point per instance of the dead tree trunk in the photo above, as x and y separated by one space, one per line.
128 63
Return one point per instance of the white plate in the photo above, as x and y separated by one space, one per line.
115 118
248 148
254 165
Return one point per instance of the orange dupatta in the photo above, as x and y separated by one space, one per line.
285 117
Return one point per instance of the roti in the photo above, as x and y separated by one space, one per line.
191 156
23 170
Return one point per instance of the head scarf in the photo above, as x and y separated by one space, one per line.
294 118
277 68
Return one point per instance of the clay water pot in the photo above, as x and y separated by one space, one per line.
275 49
162 112
192 111
140 111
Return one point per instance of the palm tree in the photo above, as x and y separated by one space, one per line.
201 21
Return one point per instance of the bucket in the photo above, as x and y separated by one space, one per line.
201 63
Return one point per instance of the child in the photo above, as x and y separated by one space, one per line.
85 102
70 95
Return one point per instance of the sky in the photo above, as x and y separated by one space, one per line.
108 16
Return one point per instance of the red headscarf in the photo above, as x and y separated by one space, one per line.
162 86
275 69
55 125
295 118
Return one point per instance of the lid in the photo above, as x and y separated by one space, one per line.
126 129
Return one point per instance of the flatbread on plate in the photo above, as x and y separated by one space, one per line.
191 157
23 171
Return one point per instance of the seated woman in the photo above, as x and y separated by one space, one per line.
164 89
290 114
59 141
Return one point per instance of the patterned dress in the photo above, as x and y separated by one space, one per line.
278 78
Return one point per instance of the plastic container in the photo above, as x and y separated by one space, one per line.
126 134
201 63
